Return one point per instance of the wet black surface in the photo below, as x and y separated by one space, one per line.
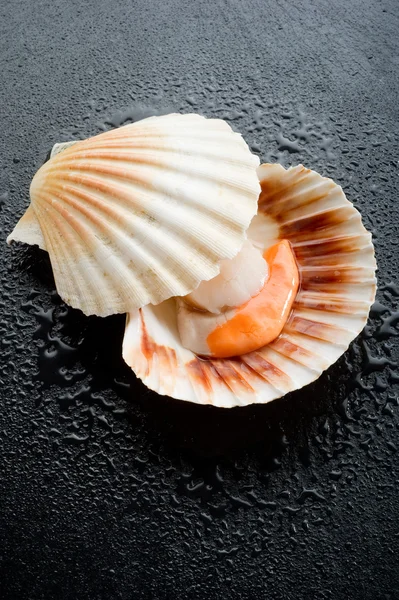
108 491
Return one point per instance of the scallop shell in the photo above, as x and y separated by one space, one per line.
141 213
336 261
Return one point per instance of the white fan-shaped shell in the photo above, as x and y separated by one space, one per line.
144 212
336 261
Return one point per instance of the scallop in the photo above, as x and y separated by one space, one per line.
240 278
334 255
143 213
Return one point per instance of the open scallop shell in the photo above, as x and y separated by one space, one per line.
141 213
336 261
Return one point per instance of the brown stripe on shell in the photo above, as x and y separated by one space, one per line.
344 228
267 370
297 199
205 373
287 348
231 376
315 329
336 273
256 378
166 356
199 372
326 247
62 179
314 360
148 346
349 259
276 189
320 222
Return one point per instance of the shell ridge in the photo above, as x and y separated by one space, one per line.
337 210
64 265
284 185
340 267
194 384
320 349
352 258
330 319
289 220
290 371
223 378
288 202
242 380
250 360
338 238
312 349
316 330
144 339
275 346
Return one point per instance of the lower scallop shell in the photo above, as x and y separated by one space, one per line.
336 262
142 213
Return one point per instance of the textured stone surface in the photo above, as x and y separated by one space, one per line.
108 491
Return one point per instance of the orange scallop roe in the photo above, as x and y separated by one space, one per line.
261 320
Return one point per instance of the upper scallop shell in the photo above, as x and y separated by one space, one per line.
139 214
335 258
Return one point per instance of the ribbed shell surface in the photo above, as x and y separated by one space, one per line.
142 213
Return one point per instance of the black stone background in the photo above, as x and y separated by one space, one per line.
110 492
